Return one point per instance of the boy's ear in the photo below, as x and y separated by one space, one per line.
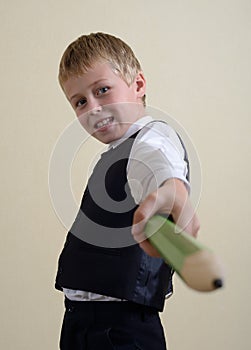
140 83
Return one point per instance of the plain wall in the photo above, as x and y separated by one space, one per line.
196 56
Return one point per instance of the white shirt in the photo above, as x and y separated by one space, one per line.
156 156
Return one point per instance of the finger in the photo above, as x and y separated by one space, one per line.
146 210
149 249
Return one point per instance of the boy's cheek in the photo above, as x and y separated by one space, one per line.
83 121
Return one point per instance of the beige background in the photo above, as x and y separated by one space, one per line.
196 56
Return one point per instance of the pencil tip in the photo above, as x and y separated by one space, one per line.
218 283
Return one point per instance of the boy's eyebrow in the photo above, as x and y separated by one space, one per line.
90 86
74 96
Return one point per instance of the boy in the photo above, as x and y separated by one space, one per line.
114 281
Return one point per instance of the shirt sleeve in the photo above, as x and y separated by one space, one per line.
156 156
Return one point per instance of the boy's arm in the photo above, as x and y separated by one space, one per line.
172 199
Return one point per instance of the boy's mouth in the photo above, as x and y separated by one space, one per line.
103 123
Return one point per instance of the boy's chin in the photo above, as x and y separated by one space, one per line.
104 138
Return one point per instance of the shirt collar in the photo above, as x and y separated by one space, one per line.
139 124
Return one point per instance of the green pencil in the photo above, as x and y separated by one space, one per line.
198 266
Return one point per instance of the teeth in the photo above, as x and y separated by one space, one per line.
104 122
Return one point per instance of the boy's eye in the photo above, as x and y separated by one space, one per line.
102 90
81 102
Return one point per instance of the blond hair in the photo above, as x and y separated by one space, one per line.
83 53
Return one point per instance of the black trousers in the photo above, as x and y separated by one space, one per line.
105 325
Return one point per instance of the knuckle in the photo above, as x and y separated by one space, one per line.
139 214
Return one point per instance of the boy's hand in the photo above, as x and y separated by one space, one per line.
172 199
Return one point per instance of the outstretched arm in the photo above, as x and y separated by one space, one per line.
172 199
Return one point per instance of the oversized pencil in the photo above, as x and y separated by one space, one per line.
198 267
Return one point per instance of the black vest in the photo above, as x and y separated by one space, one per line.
100 254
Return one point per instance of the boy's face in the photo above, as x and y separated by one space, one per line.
105 105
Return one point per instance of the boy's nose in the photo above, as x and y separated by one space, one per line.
95 110
94 106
